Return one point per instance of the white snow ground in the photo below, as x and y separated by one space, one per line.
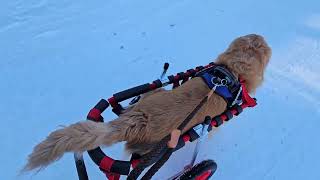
58 58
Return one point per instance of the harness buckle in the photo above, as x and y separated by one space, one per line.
216 83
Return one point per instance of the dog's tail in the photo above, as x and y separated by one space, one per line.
77 137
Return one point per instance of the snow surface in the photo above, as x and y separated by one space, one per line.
58 58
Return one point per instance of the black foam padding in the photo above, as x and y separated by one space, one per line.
181 75
121 167
171 79
209 128
132 92
96 155
200 67
81 169
118 110
158 83
193 135
229 115
239 109
207 120
166 66
102 105
218 121
192 72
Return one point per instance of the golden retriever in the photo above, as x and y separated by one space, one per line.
159 112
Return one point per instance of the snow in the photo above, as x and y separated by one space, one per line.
313 21
58 58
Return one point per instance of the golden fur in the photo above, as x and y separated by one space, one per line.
159 112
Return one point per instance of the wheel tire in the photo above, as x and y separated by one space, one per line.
199 170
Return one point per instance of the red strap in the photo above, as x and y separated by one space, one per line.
233 111
153 86
213 123
113 176
246 98
95 114
223 117
113 102
106 164
186 138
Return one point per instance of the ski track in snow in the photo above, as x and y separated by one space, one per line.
58 58
302 74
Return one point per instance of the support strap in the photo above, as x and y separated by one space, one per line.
247 100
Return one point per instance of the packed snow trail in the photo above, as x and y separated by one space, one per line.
58 58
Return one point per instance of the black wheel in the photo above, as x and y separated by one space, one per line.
201 171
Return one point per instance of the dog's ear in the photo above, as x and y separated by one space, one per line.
258 44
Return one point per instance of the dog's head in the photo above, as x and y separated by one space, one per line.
247 57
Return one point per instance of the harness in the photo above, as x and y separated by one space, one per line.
223 82
217 77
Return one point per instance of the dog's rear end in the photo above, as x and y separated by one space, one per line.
152 118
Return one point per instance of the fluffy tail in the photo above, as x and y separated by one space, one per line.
77 137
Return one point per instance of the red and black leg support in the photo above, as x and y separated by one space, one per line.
95 113
115 168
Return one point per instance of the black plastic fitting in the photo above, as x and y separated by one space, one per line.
207 120
192 72
166 66
239 109
118 110
132 92
121 167
181 75
229 115
200 67
102 105
193 135
158 83
171 78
